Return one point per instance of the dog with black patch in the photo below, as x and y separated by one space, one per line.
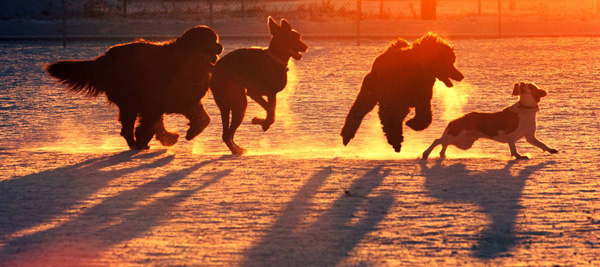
258 73
507 126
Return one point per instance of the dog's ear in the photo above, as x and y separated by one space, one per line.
533 86
273 27
516 89
285 25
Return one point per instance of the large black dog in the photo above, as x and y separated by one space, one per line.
400 79
256 72
149 79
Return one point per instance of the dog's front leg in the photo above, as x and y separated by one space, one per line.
513 151
534 141
423 117
269 107
366 100
270 112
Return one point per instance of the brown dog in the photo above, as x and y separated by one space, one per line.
255 72
507 126
149 79
402 78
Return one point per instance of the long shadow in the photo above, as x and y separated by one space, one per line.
33 199
329 239
116 219
496 191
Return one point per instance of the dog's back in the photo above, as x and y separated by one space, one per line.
251 68
488 125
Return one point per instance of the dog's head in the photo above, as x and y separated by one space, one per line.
438 55
529 93
285 39
201 41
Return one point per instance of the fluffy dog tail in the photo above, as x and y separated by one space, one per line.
78 76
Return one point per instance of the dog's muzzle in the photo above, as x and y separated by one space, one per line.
454 74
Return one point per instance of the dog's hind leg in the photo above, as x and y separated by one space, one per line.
127 118
364 103
165 137
145 130
237 116
199 120
392 118
236 119
435 143
223 106
443 151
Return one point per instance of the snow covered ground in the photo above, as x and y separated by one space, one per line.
71 192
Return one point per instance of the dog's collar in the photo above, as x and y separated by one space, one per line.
519 105
278 60
520 108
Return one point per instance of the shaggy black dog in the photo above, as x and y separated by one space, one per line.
149 79
256 72
402 78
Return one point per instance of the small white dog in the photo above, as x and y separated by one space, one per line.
507 126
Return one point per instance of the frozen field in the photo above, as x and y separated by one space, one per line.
71 192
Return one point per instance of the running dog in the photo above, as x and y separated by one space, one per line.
255 72
400 79
507 126
146 80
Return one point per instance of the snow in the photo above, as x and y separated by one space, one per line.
71 192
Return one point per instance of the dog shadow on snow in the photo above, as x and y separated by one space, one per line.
333 234
33 200
496 191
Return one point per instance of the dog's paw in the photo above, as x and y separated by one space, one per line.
264 123
346 140
141 147
267 124
346 135
193 132
265 127
417 125
397 148
552 151
131 144
519 157
167 139
238 151
257 120
196 129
